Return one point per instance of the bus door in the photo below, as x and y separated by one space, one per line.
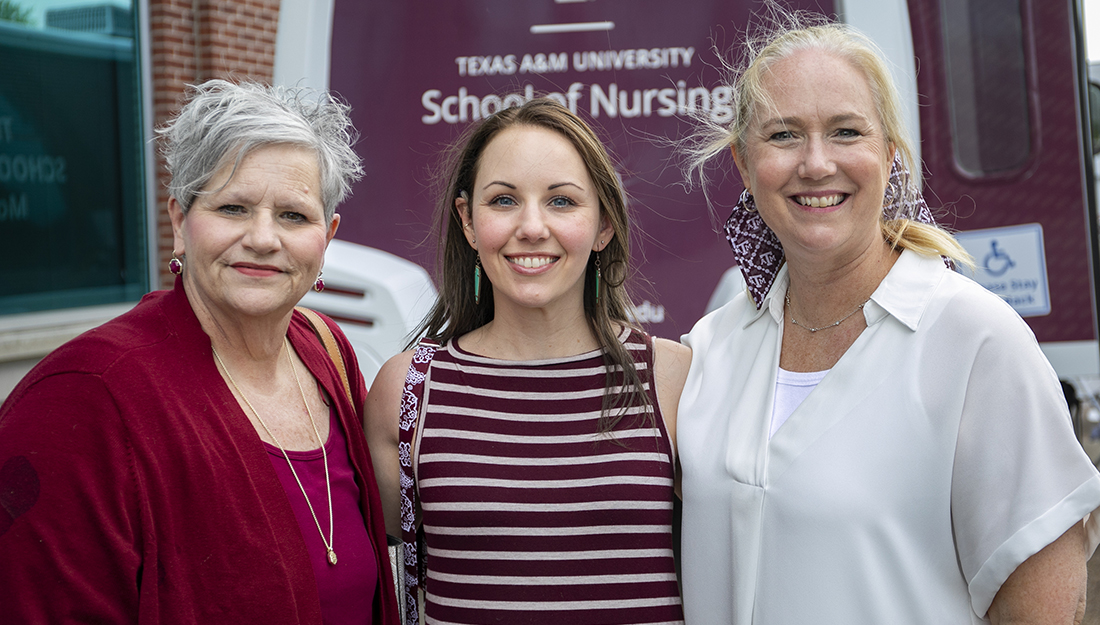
1002 116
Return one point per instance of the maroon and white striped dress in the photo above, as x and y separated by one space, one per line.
530 515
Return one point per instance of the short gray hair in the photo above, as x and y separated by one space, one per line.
222 122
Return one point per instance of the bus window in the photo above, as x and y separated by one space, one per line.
987 83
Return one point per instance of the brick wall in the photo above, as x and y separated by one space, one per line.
232 39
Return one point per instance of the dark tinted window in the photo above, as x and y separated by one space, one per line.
72 228
987 82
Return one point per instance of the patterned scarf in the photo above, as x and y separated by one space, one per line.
760 254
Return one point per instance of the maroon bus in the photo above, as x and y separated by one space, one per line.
995 90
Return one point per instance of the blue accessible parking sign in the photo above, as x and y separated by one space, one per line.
1010 262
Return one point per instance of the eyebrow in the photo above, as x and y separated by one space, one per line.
795 121
550 188
562 184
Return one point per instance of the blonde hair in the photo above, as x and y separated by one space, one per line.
783 34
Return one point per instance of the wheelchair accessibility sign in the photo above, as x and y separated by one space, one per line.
1010 262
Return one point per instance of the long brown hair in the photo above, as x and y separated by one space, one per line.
455 313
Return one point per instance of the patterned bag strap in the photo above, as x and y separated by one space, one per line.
329 341
410 412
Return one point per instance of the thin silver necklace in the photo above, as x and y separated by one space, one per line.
787 297
324 454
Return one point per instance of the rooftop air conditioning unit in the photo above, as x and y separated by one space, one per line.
104 19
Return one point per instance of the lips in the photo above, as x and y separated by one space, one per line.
532 262
823 201
255 270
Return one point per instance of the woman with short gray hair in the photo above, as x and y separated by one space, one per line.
201 458
223 119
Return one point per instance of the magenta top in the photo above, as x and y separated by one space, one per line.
347 588
180 517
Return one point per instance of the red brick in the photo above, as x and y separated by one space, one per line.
236 41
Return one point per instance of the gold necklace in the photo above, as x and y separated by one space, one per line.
787 297
324 454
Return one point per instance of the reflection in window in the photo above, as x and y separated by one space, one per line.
71 193
987 84
12 12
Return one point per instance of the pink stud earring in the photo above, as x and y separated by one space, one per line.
319 285
175 266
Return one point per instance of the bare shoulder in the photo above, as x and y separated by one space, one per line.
382 419
393 371
671 360
384 399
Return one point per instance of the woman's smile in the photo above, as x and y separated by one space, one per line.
531 262
821 201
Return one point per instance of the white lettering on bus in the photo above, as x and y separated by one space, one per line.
609 101
653 58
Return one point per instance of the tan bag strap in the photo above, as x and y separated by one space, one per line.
329 341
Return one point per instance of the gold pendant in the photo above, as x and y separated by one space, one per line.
331 556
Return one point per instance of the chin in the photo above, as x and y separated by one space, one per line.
264 304
824 240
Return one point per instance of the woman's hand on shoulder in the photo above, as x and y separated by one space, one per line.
381 423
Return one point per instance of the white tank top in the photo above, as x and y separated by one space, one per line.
791 389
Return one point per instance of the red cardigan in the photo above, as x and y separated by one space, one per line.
133 489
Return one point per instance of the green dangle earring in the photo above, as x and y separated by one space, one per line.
477 279
598 274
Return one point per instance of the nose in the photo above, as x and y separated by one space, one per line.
817 162
262 236
532 225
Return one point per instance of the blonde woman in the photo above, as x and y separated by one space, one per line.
866 436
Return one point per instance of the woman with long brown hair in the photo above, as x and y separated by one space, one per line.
534 426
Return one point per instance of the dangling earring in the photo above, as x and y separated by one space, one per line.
175 265
319 285
598 275
477 279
